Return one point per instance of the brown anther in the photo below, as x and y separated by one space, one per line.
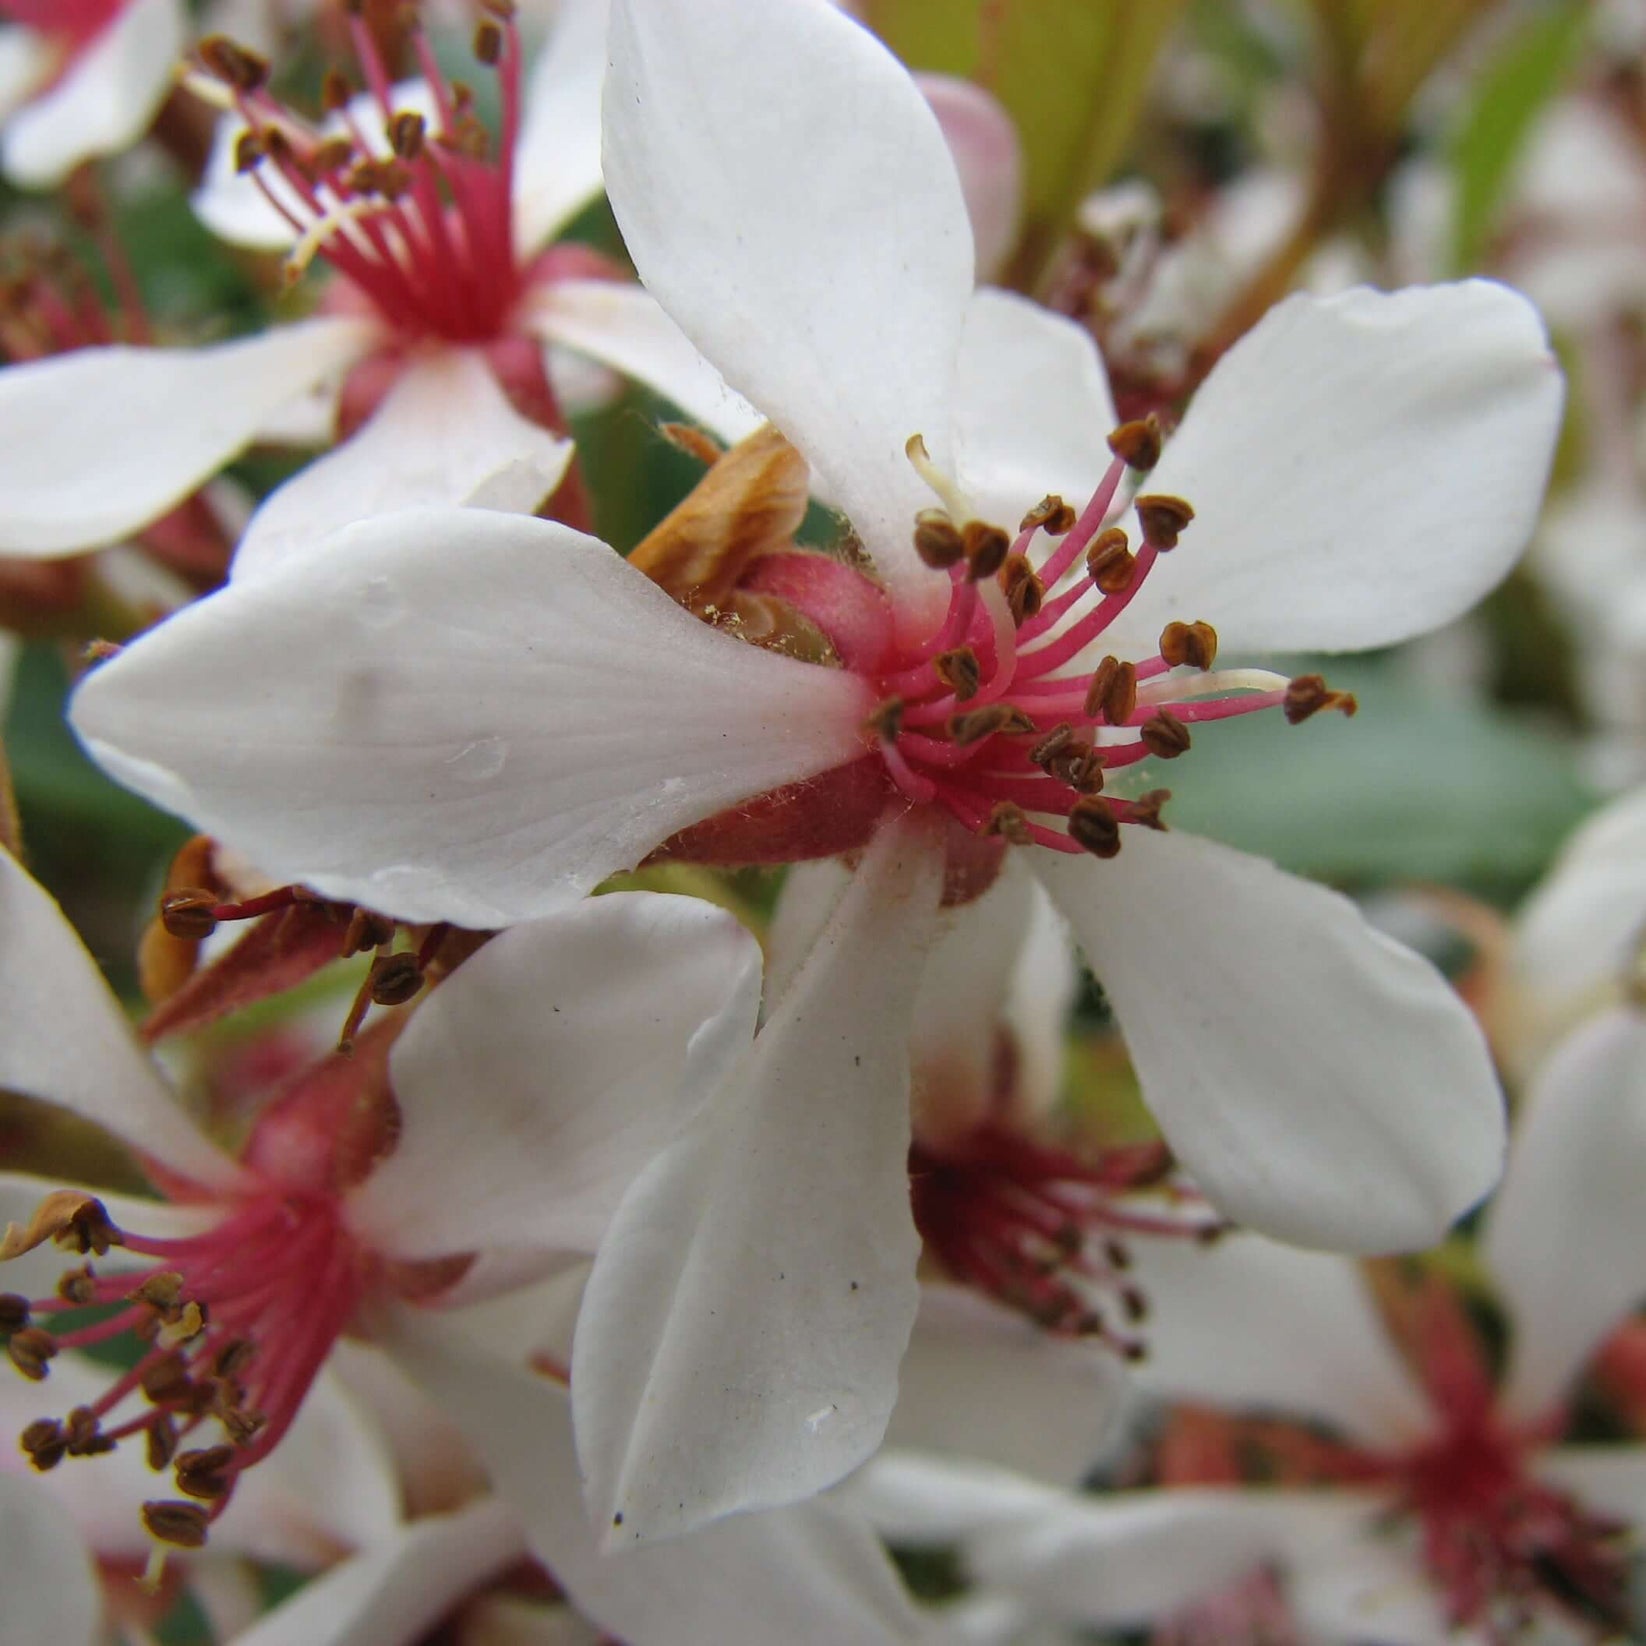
366 931
1163 519
887 720
166 1381
14 1312
249 150
1112 692
187 913
959 671
466 136
330 156
1080 765
73 1219
161 1441
163 1292
82 1436
205 1473
30 1349
1116 1255
405 131
1309 694
1009 822
937 540
335 91
243 1426
1051 515
1109 561
234 1357
1002 719
45 1443
1137 444
395 978
1194 644
985 547
235 65
1163 734
1053 743
1094 828
189 1323
184 1524
1145 810
488 43
1025 593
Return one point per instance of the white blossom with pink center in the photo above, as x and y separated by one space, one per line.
477 718
516 1105
1460 1516
80 79
439 331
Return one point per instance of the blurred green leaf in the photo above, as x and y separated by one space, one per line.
1072 74
1506 95
1411 788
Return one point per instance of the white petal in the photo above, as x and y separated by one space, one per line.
1032 408
1566 1234
986 1382
811 1575
328 1486
1359 1588
1575 936
557 159
67 1042
52 1592
102 441
740 1334
25 64
1039 998
457 715
989 159
394 1593
923 1500
1321 1082
105 101
1135 1557
1248 1325
787 195
623 327
445 433
1606 1480
538 1081
1362 468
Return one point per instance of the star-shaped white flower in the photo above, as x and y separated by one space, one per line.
447 310
478 718
511 1112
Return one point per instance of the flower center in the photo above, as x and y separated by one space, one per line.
986 720
233 1324
1044 1231
1500 1543
415 212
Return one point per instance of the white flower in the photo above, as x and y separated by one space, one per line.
80 79
498 1131
1459 1514
480 733
448 295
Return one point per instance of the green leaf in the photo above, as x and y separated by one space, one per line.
1071 73
1412 788
1506 96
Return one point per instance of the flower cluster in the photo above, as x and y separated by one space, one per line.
666 1077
